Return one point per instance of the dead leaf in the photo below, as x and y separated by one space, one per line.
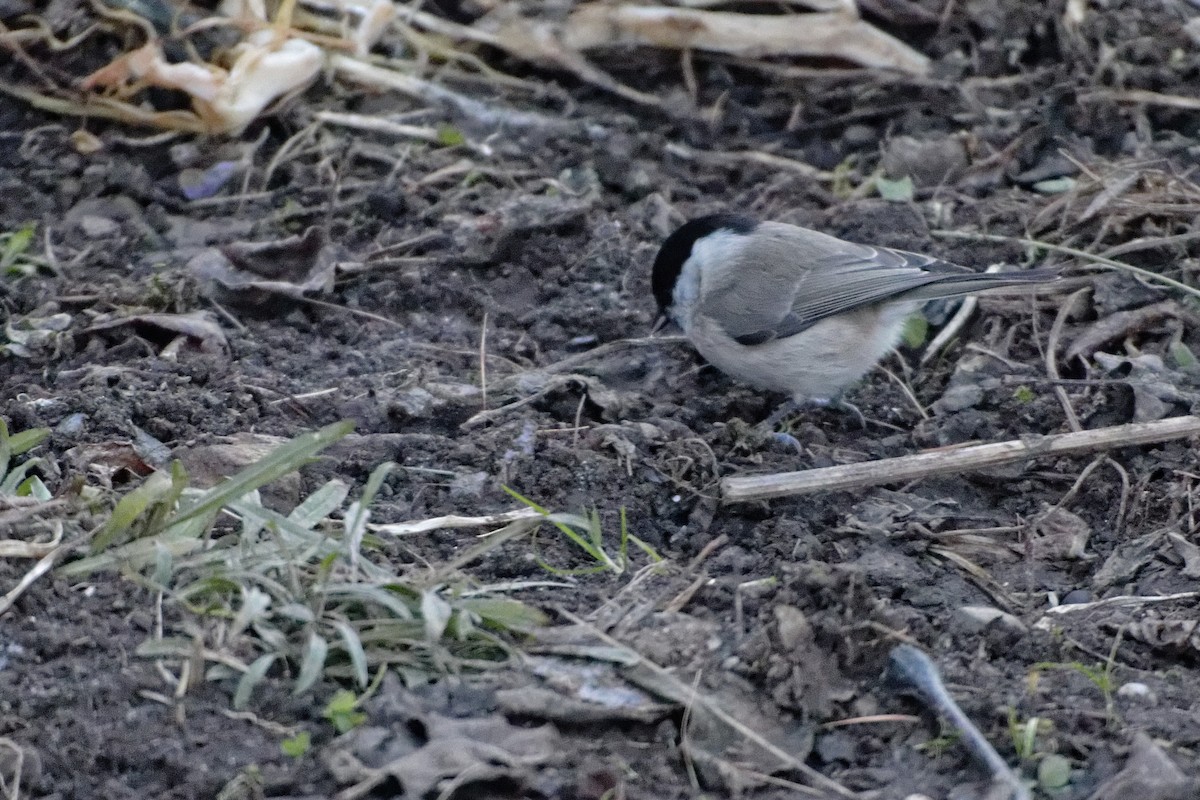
1172 635
1157 389
254 273
1058 533
834 34
1189 552
1127 560
198 325
148 65
108 458
1119 325
210 463
428 755
265 67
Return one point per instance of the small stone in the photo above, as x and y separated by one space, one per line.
1054 772
469 485
1138 692
95 227
959 398
977 618
927 161
860 136
837 746
184 155
794 628
71 425
414 402
1076 596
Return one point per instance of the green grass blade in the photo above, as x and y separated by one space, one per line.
312 664
11 485
320 504
641 545
23 442
252 678
505 613
158 513
164 564
370 595
140 552
375 481
255 603
354 649
567 523
5 448
285 459
33 487
437 613
154 489
359 512
15 245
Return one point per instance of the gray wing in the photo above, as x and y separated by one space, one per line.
792 278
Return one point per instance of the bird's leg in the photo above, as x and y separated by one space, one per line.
785 409
794 406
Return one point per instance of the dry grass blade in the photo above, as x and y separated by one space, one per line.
15 548
1142 96
38 570
1122 601
455 521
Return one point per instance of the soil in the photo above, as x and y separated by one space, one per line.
540 252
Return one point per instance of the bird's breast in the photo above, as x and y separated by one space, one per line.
817 363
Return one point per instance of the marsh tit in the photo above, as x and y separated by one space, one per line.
792 310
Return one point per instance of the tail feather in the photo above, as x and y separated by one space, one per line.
955 285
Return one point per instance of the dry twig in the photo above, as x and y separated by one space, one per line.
963 459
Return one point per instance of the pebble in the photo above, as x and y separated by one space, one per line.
794 628
95 227
415 402
469 485
976 618
1137 691
926 161
1076 596
958 398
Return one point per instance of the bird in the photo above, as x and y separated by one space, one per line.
792 310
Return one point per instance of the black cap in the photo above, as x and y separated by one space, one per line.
678 248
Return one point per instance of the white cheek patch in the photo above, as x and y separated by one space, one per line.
710 255
686 294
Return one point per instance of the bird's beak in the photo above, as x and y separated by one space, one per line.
660 322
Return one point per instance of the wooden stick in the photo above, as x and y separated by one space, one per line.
963 459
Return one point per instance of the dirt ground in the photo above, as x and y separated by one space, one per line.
784 612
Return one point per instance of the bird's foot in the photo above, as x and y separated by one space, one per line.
789 407
839 404
768 426
788 441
